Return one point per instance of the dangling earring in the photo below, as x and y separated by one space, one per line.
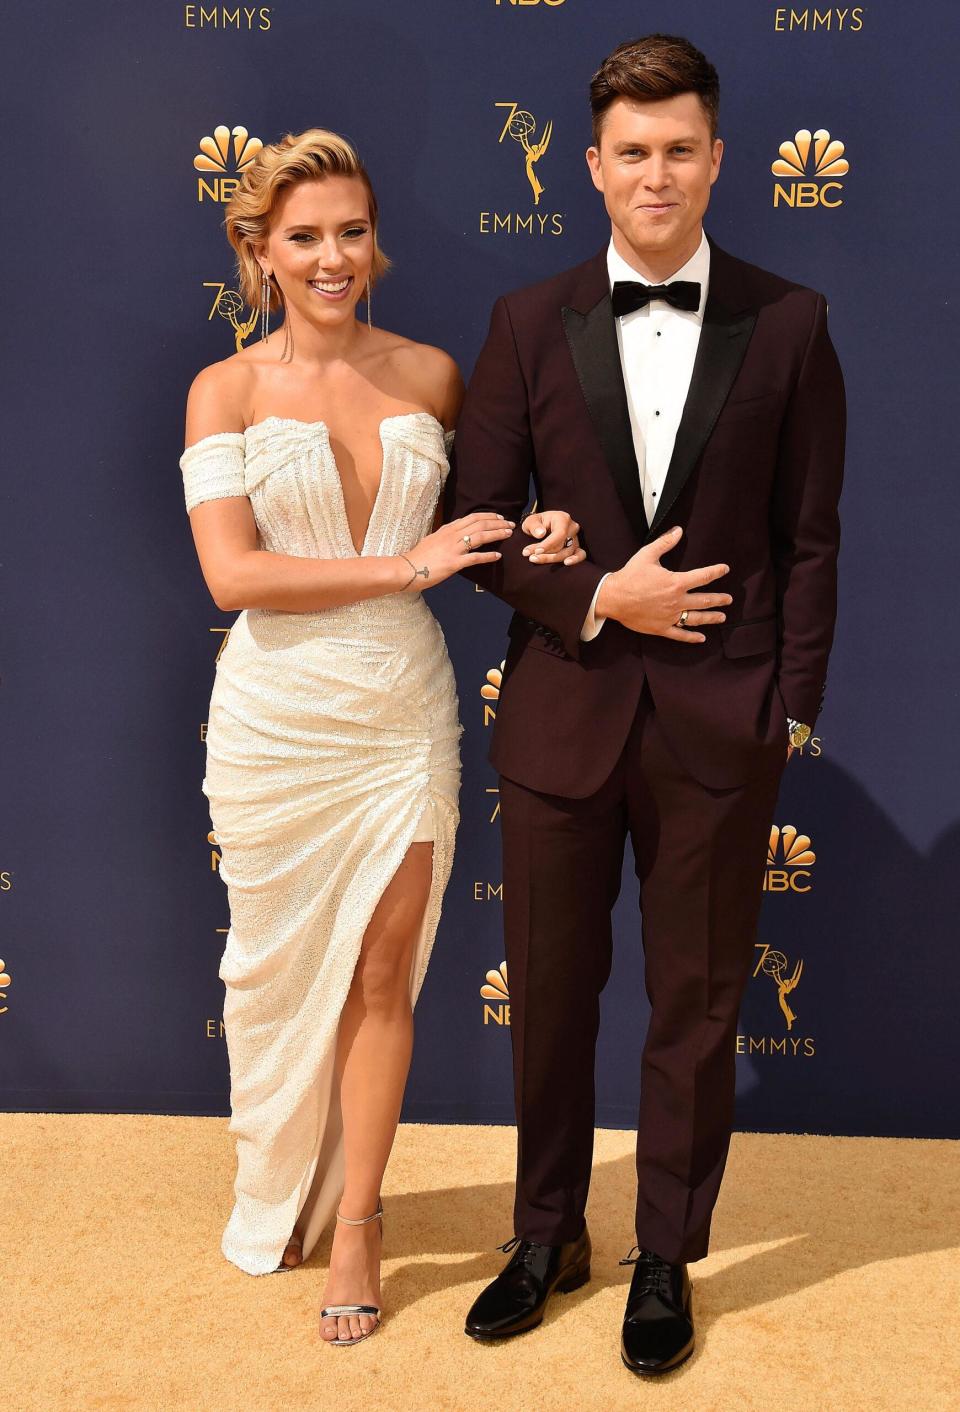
287 355
264 306
369 305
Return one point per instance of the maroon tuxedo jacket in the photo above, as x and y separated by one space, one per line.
754 480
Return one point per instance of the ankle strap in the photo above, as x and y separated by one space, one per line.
363 1219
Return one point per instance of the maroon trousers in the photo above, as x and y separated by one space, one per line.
700 856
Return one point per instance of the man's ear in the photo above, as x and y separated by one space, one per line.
596 171
716 158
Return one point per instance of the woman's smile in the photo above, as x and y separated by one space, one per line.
333 290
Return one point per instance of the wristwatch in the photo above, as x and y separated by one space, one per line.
797 733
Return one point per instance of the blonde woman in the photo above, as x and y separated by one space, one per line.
313 470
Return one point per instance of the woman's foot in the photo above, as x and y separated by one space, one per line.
293 1255
354 1278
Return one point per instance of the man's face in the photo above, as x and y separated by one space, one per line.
655 166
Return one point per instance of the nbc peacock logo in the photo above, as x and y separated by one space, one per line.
224 157
789 860
490 692
495 993
810 162
6 979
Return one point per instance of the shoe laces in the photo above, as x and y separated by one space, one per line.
525 1251
654 1272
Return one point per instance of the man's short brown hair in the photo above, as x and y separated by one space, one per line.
657 66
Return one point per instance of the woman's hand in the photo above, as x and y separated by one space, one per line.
557 534
456 546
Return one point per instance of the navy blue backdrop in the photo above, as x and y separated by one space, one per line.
117 289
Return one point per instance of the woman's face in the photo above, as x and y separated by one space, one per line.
320 248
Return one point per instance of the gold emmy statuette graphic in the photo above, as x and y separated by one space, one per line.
522 126
774 964
496 989
816 157
6 978
230 307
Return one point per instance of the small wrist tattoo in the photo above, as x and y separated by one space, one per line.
417 573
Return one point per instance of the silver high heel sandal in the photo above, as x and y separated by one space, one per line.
338 1311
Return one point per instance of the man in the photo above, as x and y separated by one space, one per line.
688 409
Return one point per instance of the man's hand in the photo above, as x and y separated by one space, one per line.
645 597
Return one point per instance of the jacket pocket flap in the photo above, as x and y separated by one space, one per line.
757 406
744 639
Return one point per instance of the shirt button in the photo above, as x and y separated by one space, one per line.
658 333
656 414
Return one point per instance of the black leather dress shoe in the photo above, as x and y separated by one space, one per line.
517 1298
658 1323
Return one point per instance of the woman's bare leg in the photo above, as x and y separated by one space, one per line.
374 1045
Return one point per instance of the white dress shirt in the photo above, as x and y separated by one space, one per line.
658 345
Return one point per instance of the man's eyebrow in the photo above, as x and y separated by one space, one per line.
674 142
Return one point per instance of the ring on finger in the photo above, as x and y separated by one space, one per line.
567 543
682 620
466 540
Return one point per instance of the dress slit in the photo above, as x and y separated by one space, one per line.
314 1198
326 1170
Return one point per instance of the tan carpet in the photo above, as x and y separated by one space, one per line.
832 1282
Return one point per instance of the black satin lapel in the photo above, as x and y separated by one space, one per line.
593 346
720 352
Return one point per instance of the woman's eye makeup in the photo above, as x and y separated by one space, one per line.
351 233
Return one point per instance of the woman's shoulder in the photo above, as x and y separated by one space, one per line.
427 375
218 398
410 355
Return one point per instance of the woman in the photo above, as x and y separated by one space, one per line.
313 469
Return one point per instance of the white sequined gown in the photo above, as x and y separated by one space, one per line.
331 737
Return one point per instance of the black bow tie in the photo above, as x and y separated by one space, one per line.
629 295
